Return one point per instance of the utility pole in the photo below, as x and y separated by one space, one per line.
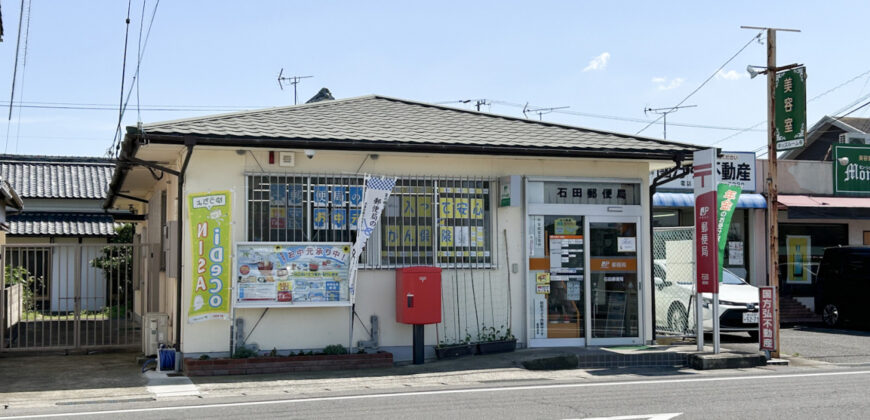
293 80
664 112
773 239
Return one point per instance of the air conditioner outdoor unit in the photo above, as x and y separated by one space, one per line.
155 331
854 138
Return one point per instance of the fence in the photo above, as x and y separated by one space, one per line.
69 296
673 263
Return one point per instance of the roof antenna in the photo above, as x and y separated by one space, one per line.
664 112
293 80
541 111
477 102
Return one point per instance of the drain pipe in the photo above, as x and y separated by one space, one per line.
189 143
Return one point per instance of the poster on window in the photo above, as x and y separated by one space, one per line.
210 239
798 259
292 274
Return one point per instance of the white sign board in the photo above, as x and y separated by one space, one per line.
731 168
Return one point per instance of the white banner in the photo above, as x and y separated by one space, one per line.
377 192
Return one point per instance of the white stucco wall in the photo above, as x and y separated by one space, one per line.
213 169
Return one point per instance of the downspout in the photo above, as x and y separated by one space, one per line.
189 143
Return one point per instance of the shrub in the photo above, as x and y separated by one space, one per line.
243 353
334 349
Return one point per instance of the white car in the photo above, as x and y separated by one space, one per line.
738 302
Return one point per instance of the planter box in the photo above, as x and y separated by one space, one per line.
496 346
286 364
449 352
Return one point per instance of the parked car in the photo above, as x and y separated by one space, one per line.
738 302
843 284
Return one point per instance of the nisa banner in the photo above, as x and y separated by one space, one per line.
210 236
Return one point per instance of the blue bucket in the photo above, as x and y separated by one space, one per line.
166 359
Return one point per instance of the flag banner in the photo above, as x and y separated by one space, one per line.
726 202
210 238
375 195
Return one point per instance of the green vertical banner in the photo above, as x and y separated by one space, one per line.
790 108
210 238
726 202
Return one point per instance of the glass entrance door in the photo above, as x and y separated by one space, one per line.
557 261
614 280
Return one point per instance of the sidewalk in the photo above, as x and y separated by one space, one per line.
48 380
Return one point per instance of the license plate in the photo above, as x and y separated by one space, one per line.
750 317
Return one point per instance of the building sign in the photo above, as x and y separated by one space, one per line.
798 259
210 239
726 203
767 318
736 168
290 274
790 108
851 169
556 192
706 257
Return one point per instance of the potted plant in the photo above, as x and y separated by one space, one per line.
494 340
447 350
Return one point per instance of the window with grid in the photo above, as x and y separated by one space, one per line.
426 221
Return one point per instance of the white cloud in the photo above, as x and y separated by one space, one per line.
598 63
663 83
731 75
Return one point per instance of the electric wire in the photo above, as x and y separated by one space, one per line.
23 73
123 76
14 75
756 37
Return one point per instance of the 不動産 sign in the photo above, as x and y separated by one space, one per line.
210 237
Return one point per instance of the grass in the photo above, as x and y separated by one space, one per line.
111 312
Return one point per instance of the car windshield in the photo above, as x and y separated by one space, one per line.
731 278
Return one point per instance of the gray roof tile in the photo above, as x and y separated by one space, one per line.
61 224
57 177
380 119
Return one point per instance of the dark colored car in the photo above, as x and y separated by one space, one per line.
843 285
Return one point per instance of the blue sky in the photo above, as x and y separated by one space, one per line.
598 58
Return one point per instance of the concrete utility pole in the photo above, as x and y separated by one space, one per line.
773 240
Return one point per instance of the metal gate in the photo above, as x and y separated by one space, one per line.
673 264
69 296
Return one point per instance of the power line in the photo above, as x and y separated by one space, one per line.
123 74
758 36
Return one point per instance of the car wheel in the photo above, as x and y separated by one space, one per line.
831 315
678 319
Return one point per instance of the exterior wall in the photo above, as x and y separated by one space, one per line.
798 177
213 169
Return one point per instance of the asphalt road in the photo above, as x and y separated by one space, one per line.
804 394
837 346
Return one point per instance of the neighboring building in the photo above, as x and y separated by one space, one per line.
63 197
503 205
827 132
9 199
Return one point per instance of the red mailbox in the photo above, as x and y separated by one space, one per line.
418 295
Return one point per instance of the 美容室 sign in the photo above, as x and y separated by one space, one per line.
210 237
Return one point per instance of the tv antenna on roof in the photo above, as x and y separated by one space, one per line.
540 111
293 80
664 112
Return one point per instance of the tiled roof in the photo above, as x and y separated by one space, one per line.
861 124
57 177
379 120
61 224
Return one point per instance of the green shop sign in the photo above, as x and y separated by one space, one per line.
790 108
851 169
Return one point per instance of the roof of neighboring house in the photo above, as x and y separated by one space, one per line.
57 176
61 224
823 134
377 122
860 124
8 196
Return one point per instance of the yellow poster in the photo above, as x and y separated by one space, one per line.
477 236
445 236
424 235
445 208
424 206
409 235
477 208
798 258
392 233
461 209
409 209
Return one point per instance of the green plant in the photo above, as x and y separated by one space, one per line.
488 334
116 262
334 349
243 353
204 357
273 352
28 282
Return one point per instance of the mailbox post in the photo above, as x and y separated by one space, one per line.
418 302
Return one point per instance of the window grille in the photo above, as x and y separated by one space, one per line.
426 221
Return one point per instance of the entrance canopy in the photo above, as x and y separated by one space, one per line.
812 207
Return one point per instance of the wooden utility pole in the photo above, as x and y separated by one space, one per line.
772 223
